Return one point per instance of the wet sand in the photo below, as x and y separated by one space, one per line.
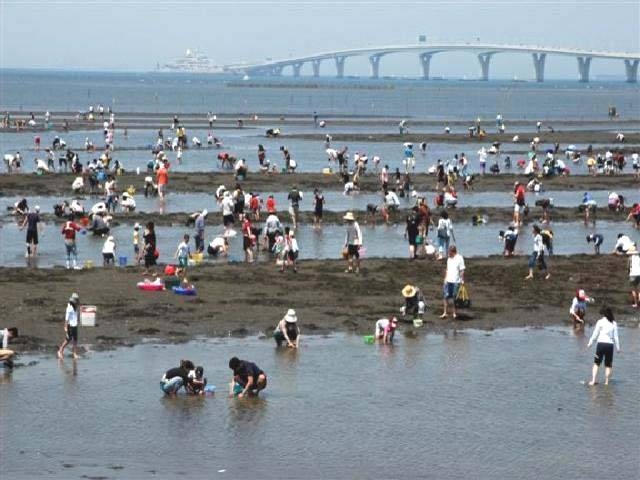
499 217
60 184
325 298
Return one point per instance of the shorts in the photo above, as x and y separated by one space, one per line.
293 211
291 255
635 280
72 333
149 261
108 257
450 290
604 350
353 251
517 208
539 259
318 213
183 262
32 236
246 243
228 220
412 240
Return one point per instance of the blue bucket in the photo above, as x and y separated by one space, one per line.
122 261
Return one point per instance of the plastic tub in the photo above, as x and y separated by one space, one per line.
122 261
369 339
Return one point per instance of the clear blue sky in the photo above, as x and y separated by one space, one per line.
134 35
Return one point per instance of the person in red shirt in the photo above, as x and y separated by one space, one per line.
634 214
248 239
518 202
69 230
254 206
271 204
162 179
36 141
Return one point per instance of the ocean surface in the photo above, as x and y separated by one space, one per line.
33 90
500 404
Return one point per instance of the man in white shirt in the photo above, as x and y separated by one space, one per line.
71 326
227 206
453 278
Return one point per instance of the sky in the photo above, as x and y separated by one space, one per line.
137 34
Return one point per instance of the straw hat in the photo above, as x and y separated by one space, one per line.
349 217
291 317
74 297
408 291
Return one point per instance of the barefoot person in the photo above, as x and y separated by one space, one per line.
605 333
248 375
538 254
352 242
6 355
578 309
634 275
386 329
453 278
288 330
70 326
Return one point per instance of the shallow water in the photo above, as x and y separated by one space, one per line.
309 154
379 241
465 405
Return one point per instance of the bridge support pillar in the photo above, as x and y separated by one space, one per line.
340 66
538 65
316 67
631 67
584 64
484 59
374 60
296 69
276 71
425 61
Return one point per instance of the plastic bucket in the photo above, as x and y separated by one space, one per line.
417 322
197 258
122 261
88 264
369 339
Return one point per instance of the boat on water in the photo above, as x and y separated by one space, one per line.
193 61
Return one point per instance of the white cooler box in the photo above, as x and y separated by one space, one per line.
88 315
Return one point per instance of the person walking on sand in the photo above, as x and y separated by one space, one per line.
352 243
70 326
605 333
453 278
537 257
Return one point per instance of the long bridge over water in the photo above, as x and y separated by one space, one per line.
426 51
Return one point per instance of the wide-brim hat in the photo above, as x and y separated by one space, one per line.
409 291
349 217
291 317
74 297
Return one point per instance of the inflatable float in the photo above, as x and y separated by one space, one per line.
155 286
191 290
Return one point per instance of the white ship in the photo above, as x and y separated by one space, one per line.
193 61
